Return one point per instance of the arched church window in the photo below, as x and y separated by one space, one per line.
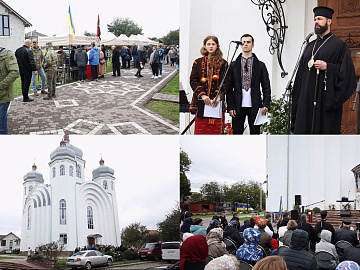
71 171
62 170
30 188
90 217
78 171
105 184
29 218
112 185
62 212
54 172
24 190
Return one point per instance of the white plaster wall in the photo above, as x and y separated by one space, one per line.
319 169
228 21
17 32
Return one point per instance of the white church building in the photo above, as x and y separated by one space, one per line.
68 208
322 169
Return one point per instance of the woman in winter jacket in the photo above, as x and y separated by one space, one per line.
197 228
326 245
249 251
216 246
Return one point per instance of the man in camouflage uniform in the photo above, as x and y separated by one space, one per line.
9 71
50 69
61 57
39 60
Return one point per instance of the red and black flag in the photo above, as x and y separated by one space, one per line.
98 33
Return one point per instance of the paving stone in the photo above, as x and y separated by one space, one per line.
115 103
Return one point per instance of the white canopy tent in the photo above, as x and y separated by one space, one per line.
67 40
121 40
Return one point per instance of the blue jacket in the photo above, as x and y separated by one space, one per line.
123 52
197 229
94 56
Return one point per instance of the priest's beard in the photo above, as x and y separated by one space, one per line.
321 29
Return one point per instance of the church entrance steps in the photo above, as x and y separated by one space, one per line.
335 219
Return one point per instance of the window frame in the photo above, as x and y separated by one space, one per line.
3 28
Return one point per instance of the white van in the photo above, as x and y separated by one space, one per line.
170 251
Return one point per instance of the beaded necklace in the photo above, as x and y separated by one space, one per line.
209 73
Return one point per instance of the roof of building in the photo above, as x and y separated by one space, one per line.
102 170
66 150
34 34
3 236
11 10
34 175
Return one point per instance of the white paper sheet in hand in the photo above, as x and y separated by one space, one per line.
213 112
260 119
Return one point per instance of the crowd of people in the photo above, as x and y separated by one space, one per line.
29 61
291 244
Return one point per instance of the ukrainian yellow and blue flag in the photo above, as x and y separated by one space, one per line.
281 208
71 24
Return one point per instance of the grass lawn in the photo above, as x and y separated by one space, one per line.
169 110
8 258
172 88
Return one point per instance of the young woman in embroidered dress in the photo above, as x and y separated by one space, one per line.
205 78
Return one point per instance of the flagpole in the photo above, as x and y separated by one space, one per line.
69 50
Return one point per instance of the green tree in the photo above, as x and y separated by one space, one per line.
185 163
242 191
133 234
88 34
172 38
197 198
150 238
211 191
169 227
124 26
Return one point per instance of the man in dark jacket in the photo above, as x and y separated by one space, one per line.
236 218
346 234
268 222
244 96
233 234
27 65
81 59
323 225
351 254
115 61
303 225
223 220
297 257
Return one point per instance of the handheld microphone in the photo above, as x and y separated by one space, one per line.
238 42
309 36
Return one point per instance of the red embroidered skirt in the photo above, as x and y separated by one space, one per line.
209 126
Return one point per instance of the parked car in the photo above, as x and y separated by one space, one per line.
150 251
88 258
170 251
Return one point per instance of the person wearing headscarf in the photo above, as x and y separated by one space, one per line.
226 262
185 227
216 246
193 253
249 251
348 265
197 228
326 245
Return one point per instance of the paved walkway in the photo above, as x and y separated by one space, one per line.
112 105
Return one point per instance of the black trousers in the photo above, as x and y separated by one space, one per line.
25 83
116 70
239 120
82 73
155 69
94 72
124 61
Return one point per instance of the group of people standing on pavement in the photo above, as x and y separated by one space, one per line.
291 246
155 56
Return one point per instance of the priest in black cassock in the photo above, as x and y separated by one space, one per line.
334 83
